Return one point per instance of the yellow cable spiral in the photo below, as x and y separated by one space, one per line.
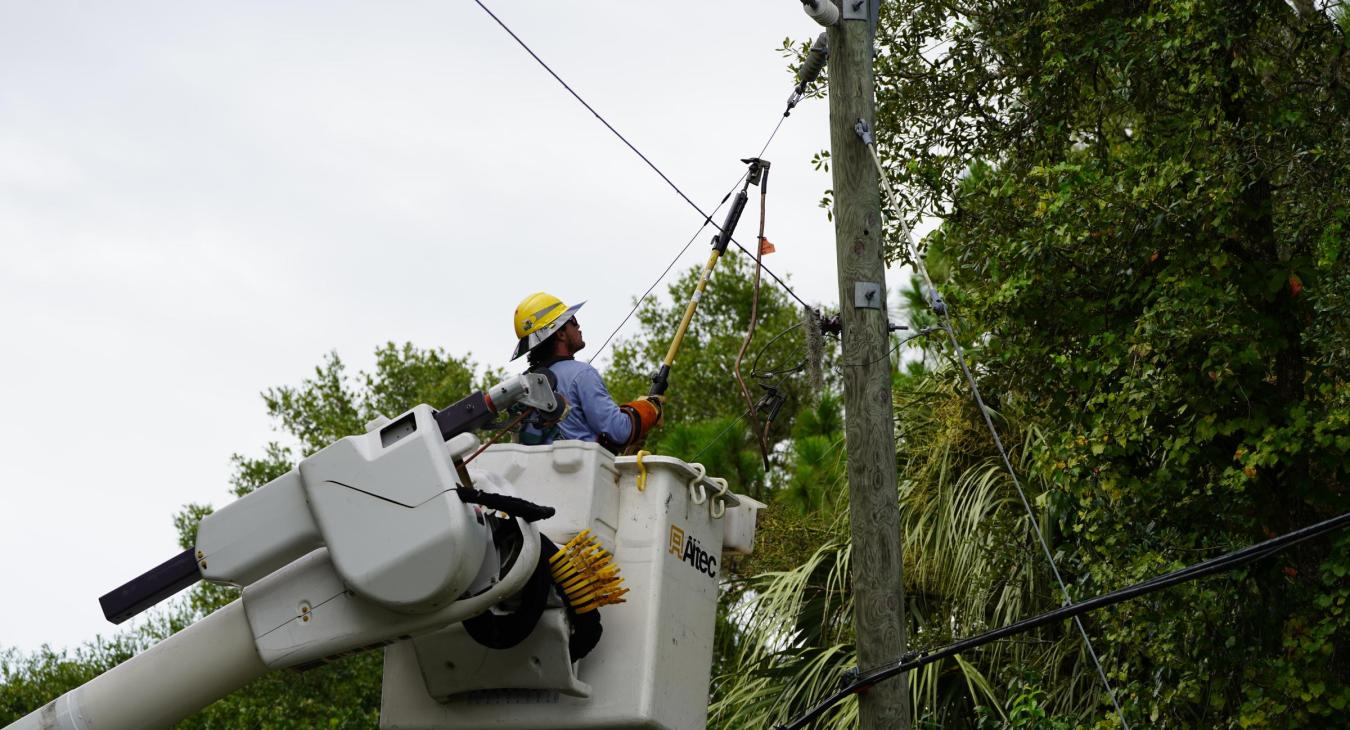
587 574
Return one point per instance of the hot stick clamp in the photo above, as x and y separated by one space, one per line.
756 175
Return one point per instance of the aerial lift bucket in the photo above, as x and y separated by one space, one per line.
669 528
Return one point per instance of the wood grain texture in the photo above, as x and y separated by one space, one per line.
869 421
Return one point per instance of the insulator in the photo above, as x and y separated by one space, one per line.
816 56
822 11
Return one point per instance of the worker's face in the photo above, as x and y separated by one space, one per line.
571 334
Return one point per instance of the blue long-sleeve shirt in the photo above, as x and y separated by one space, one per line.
592 411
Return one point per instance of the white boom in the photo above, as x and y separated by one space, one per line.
388 539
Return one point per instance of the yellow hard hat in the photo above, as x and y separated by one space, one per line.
538 316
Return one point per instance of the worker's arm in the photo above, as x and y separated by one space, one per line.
602 414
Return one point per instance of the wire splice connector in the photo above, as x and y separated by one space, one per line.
936 302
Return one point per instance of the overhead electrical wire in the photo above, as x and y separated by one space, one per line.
718 436
707 218
589 108
756 373
894 349
663 274
916 660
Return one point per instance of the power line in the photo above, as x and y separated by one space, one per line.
894 349
658 280
690 242
707 219
1225 562
718 437
589 108
1026 504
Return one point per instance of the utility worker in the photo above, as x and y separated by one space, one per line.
550 334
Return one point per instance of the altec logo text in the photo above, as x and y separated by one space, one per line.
687 549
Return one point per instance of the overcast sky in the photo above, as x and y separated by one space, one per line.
198 200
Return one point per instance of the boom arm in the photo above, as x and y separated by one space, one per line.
364 542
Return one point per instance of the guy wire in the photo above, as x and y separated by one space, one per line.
940 308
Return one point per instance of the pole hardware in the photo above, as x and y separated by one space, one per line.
864 132
822 11
855 9
817 55
936 302
831 325
770 403
758 173
866 295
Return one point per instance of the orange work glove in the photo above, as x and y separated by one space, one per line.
647 414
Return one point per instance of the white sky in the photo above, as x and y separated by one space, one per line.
199 200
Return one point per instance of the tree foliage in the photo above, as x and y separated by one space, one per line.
709 419
1148 247
1144 210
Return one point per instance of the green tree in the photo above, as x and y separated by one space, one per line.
1150 257
323 409
1144 209
704 400
28 681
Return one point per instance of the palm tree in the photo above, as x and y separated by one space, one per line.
970 565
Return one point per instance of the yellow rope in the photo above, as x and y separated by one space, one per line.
642 471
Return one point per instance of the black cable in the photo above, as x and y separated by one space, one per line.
772 134
669 266
707 219
719 435
780 374
754 368
1225 562
772 275
921 333
690 242
591 109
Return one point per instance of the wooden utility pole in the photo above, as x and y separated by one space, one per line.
869 426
